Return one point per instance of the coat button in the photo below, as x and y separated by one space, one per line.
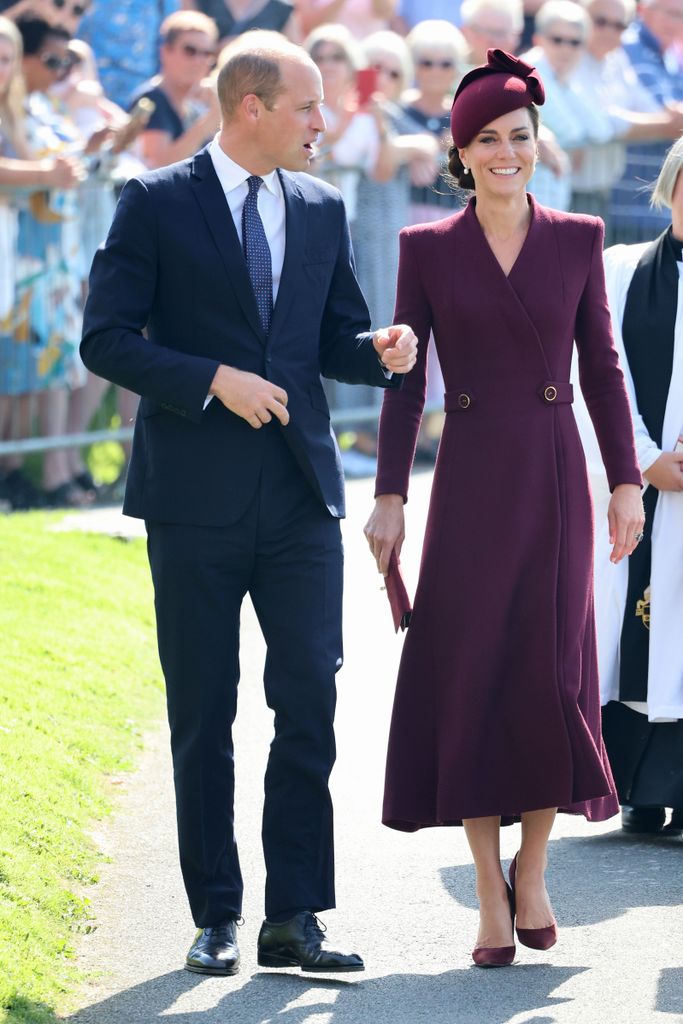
550 393
464 401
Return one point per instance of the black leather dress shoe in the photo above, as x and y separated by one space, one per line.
214 950
642 820
300 942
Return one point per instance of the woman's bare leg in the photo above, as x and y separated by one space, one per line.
532 901
495 923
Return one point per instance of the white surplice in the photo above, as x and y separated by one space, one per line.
665 671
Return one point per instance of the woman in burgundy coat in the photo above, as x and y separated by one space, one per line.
496 715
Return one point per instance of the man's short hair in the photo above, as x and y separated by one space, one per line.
187 21
250 64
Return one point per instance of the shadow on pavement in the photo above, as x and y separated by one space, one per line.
670 991
474 995
597 878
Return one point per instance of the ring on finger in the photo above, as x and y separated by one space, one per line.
638 537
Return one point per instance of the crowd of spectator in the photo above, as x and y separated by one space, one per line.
94 91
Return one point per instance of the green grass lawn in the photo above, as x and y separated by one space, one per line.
79 680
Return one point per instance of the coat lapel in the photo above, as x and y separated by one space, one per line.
295 233
537 273
213 204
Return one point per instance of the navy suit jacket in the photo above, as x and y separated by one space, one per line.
173 268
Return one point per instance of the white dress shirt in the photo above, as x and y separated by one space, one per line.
271 207
271 204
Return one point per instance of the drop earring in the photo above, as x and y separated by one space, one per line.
465 170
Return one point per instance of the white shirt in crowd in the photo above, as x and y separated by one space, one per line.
608 84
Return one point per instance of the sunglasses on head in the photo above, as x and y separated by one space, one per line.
601 22
426 62
563 41
196 51
77 9
54 63
391 72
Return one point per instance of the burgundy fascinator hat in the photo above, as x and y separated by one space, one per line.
503 84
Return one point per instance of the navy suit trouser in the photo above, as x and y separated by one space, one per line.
286 553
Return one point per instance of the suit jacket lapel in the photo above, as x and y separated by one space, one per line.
216 211
295 233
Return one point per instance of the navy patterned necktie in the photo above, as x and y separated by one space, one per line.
257 253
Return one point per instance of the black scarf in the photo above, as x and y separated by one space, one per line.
648 332
648 328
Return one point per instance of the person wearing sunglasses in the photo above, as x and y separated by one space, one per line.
49 240
439 54
561 31
607 78
23 260
186 112
490 23
651 43
383 207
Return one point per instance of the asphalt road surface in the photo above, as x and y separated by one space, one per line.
405 902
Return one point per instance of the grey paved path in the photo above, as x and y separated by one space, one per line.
405 902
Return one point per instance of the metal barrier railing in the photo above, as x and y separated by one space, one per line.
25 446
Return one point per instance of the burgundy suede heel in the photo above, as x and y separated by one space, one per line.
533 938
497 956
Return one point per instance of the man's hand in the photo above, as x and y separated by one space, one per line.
252 397
666 472
397 347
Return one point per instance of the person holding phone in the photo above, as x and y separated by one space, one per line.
638 604
355 147
355 141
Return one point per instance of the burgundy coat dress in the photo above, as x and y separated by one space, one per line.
497 709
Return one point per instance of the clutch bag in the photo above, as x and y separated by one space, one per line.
401 608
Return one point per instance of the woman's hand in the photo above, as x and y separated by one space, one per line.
626 519
385 529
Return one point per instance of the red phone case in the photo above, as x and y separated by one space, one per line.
366 85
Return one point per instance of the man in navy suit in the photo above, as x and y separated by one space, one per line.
225 289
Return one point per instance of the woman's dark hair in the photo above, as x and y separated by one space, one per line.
456 173
35 32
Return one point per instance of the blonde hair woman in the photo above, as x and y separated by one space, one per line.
18 172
